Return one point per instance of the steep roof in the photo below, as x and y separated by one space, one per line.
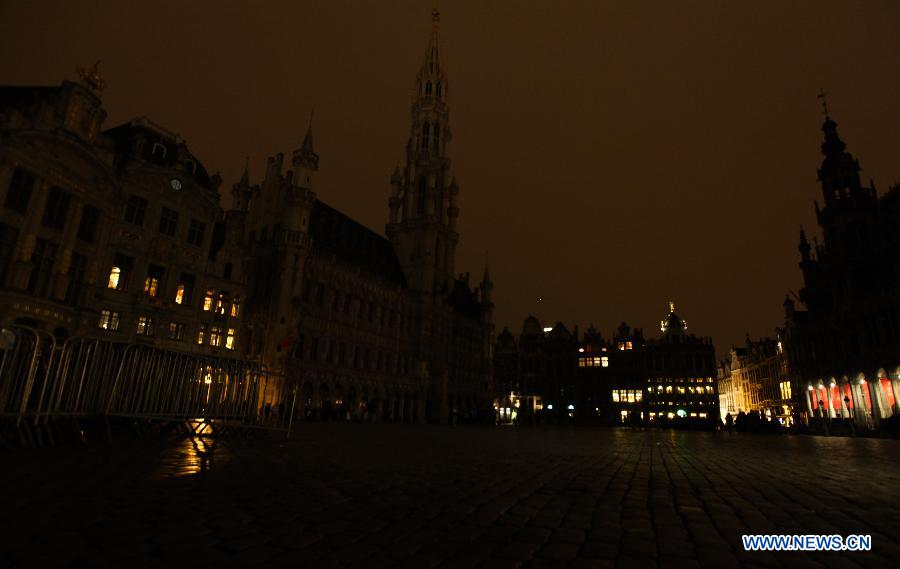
353 243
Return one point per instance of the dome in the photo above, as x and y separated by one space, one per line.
672 323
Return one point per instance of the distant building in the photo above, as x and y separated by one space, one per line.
669 380
755 378
843 342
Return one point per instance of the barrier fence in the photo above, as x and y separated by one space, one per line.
42 381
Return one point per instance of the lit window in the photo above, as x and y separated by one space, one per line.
201 334
179 294
621 345
144 326
668 389
615 395
604 361
236 307
220 304
208 299
628 346
109 320
229 339
582 362
215 336
154 277
681 390
115 276
595 361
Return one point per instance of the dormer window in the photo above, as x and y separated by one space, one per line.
190 166
158 151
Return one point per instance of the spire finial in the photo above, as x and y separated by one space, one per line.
435 14
671 306
822 95
90 77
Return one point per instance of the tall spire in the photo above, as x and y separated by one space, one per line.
245 178
307 145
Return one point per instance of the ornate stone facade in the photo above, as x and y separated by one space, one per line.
843 342
119 234
114 234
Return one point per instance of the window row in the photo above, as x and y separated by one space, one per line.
212 335
136 211
56 208
344 354
627 395
593 361
343 303
123 266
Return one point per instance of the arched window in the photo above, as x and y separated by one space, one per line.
425 136
428 89
437 138
420 200
437 90
227 271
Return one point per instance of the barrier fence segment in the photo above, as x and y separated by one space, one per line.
41 381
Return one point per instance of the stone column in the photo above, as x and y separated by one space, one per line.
874 392
895 385
28 235
61 277
859 405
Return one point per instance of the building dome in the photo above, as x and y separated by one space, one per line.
672 323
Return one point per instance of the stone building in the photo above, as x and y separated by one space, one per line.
119 234
755 378
843 340
668 380
115 233
370 326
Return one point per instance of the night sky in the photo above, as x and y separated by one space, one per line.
611 155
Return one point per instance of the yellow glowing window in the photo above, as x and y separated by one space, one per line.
668 389
215 336
681 390
151 286
621 345
220 304
208 299
629 346
604 361
229 339
201 334
236 307
144 326
114 275
582 362
109 320
615 395
179 294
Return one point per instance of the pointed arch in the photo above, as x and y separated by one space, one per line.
437 139
426 135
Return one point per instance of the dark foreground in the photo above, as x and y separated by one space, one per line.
384 496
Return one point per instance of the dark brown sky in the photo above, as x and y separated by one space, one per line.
611 155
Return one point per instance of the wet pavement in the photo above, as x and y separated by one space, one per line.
340 495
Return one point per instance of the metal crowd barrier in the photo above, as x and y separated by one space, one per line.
41 381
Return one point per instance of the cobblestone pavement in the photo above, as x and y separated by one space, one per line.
419 497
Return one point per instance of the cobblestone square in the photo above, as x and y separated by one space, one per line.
339 495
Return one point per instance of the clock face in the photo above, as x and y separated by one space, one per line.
175 183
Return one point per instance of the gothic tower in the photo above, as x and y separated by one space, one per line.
423 212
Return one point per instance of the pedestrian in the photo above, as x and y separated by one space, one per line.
729 422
